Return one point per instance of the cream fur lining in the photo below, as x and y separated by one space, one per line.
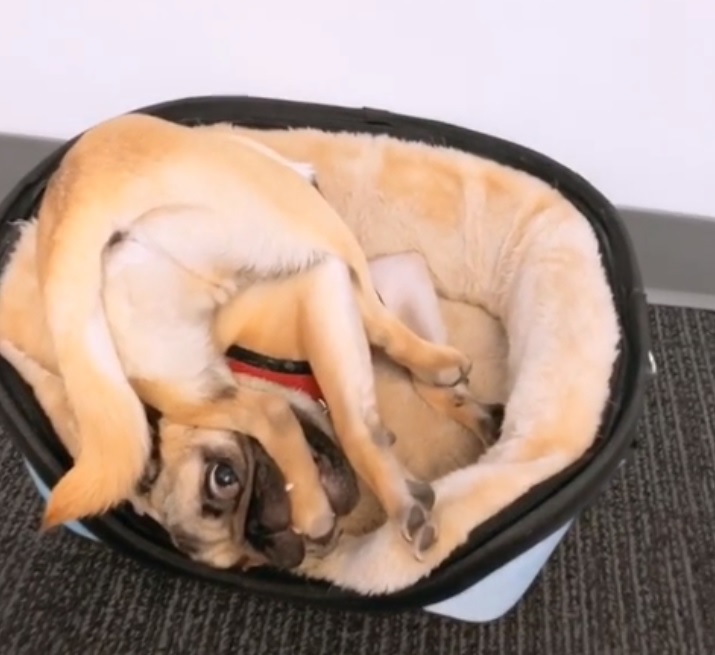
494 238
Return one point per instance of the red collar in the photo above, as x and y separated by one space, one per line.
288 373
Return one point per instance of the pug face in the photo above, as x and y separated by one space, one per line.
224 502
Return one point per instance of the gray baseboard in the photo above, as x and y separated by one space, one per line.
18 154
676 252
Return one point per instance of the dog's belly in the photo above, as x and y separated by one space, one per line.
159 314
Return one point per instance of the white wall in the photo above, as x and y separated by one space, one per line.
621 90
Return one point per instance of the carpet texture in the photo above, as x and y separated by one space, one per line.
636 575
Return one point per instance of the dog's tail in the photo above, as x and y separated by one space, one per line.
112 429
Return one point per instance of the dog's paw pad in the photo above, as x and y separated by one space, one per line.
415 524
422 492
425 540
424 537
415 519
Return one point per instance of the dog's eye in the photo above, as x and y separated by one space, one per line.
222 482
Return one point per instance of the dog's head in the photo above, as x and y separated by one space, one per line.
223 501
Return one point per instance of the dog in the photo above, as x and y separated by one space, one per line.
145 230
218 494
494 238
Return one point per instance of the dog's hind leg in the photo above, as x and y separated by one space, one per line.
433 363
339 354
406 289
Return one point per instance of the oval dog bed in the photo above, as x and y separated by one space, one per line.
528 529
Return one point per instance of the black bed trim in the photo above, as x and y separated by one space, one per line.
535 516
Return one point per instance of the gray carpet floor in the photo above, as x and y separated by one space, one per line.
636 575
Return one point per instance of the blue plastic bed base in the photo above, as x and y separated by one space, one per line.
489 599
75 527
496 594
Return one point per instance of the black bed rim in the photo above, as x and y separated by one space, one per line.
562 498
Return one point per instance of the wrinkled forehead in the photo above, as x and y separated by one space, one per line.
179 442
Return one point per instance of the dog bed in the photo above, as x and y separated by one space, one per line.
489 573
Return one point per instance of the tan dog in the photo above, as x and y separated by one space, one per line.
491 237
219 496
144 231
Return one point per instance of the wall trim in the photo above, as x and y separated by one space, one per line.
676 252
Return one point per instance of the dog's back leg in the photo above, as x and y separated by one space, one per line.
432 362
334 338
406 289
435 364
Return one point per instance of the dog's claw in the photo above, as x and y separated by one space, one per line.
427 539
423 537
454 375
416 519
461 395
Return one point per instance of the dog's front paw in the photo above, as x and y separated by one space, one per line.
415 524
448 368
